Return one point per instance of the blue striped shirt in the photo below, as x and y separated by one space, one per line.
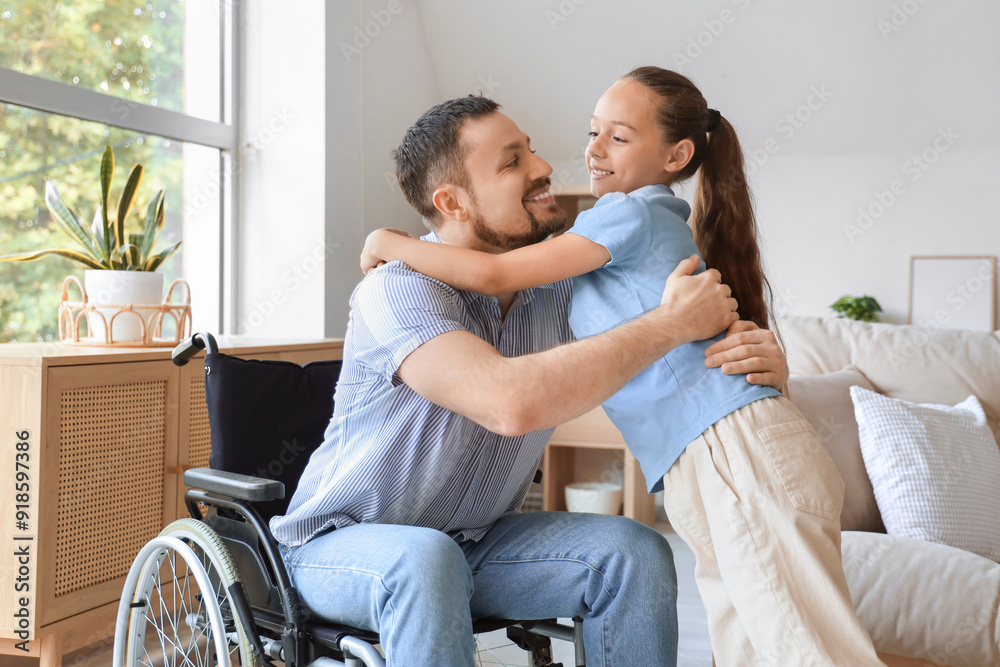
392 456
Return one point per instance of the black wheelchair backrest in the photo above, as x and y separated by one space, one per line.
267 417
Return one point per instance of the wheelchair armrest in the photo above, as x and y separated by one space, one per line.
233 485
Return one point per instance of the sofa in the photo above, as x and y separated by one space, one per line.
923 603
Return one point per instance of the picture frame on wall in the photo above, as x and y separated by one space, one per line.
953 291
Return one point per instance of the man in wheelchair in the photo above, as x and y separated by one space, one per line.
406 520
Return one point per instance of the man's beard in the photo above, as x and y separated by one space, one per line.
538 230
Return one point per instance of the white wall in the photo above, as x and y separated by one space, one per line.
331 89
379 80
883 77
283 247
817 249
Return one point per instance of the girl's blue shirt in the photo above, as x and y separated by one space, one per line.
674 400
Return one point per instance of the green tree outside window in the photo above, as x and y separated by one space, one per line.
131 50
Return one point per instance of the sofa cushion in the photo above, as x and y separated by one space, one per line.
922 364
935 470
925 600
825 400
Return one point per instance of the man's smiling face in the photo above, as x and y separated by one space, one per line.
508 184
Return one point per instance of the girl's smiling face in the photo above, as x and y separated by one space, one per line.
627 148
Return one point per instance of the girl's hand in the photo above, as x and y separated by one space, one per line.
375 253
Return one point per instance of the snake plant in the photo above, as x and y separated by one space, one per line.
105 245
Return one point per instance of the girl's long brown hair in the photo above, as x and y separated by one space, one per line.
723 220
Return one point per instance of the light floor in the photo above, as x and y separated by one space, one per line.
694 649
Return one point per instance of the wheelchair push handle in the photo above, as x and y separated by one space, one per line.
192 346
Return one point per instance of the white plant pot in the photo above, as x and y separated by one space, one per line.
596 497
117 289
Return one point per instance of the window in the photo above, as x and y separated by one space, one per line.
155 81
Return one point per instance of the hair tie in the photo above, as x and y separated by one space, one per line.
713 120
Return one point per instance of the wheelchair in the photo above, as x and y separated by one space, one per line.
212 589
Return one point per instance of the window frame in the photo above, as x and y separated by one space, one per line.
42 94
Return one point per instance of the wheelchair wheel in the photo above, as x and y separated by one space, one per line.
176 610
493 649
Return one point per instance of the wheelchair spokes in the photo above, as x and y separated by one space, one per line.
176 610
490 653
191 638
513 647
179 622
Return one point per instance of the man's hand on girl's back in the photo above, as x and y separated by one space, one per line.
700 306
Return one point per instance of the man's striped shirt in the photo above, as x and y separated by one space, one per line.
392 456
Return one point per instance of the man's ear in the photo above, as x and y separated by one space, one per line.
679 156
452 201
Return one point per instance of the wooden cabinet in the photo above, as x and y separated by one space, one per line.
593 436
93 446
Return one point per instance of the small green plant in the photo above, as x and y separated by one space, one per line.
863 308
104 245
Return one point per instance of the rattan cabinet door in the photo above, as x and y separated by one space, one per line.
110 436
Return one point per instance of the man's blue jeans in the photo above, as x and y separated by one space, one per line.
420 590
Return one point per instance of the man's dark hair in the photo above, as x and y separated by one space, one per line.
431 153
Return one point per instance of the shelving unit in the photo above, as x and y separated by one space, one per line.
589 436
573 199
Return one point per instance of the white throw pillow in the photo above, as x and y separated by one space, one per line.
935 470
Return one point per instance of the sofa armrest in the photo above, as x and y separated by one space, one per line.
233 485
925 600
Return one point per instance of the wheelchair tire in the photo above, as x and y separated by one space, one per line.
160 623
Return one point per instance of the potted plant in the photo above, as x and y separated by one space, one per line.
861 308
121 267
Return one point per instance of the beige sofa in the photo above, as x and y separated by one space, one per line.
923 603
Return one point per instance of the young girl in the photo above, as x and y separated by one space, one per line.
747 483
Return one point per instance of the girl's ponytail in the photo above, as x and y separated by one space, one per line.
725 226
723 220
